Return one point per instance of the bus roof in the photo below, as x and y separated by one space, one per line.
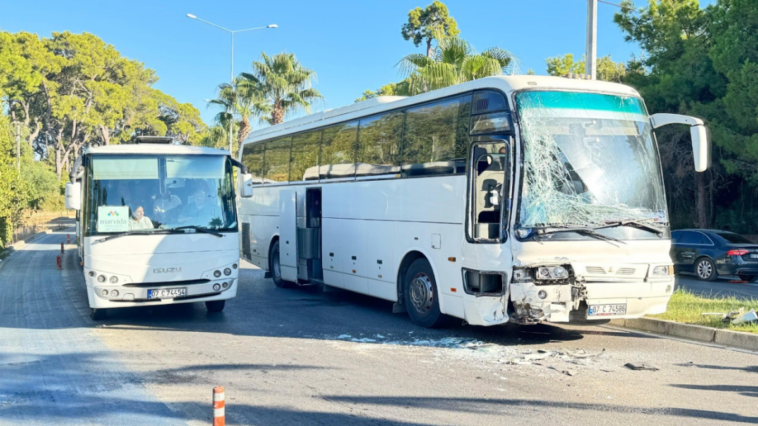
380 104
160 149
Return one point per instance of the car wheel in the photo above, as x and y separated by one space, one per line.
421 295
705 269
748 278
276 269
98 314
215 305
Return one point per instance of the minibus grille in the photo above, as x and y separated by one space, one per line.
168 283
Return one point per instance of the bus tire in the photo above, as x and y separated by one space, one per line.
276 269
421 296
98 314
215 305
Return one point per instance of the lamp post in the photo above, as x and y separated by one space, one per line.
231 70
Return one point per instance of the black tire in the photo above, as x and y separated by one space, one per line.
98 314
705 269
748 278
421 296
275 268
215 305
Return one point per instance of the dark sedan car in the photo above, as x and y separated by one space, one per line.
708 254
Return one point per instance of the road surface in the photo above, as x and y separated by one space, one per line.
302 357
719 288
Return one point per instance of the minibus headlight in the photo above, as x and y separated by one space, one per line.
101 278
114 279
114 293
560 273
234 266
92 273
216 274
663 270
227 271
105 292
216 287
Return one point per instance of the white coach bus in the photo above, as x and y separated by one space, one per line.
156 224
517 198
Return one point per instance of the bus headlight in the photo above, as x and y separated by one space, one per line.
114 279
227 271
114 293
92 274
663 270
216 273
101 278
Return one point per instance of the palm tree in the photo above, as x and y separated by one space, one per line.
454 61
242 100
284 83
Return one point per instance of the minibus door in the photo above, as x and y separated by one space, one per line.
288 234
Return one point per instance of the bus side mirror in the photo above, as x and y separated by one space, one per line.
246 185
73 196
701 138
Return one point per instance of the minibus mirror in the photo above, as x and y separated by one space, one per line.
246 185
701 138
73 196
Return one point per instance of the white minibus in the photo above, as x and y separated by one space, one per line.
512 198
156 224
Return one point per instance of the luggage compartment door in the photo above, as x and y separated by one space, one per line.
288 234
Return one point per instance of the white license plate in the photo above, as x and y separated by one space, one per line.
754 255
607 310
167 293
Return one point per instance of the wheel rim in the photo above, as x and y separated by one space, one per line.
276 267
422 293
704 269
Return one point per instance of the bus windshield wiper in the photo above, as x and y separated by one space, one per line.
635 223
199 229
590 232
135 232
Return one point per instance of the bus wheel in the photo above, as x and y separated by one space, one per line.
98 314
276 269
215 305
421 295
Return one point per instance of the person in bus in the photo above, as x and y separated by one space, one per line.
198 211
139 221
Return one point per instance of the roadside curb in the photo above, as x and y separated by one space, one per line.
698 333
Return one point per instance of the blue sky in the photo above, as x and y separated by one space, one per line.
352 45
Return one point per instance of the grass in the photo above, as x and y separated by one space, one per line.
687 307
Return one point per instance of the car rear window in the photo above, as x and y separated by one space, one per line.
734 238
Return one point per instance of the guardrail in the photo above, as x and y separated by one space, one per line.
40 223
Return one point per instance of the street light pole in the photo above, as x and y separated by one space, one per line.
231 70
590 58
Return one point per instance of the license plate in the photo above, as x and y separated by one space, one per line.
167 293
607 310
754 255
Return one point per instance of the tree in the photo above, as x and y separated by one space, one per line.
244 99
429 24
607 69
284 84
703 62
392 89
455 61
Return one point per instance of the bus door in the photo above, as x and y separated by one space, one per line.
288 234
487 260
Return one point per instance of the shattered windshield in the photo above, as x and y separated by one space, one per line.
589 160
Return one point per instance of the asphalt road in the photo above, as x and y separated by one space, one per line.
719 288
299 356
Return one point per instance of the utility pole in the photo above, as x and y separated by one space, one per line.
590 58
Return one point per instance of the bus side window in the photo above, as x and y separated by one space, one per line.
305 152
252 158
378 143
277 164
338 151
435 138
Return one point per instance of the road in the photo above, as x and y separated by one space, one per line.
720 287
302 357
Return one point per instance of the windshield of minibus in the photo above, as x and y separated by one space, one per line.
589 159
142 193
